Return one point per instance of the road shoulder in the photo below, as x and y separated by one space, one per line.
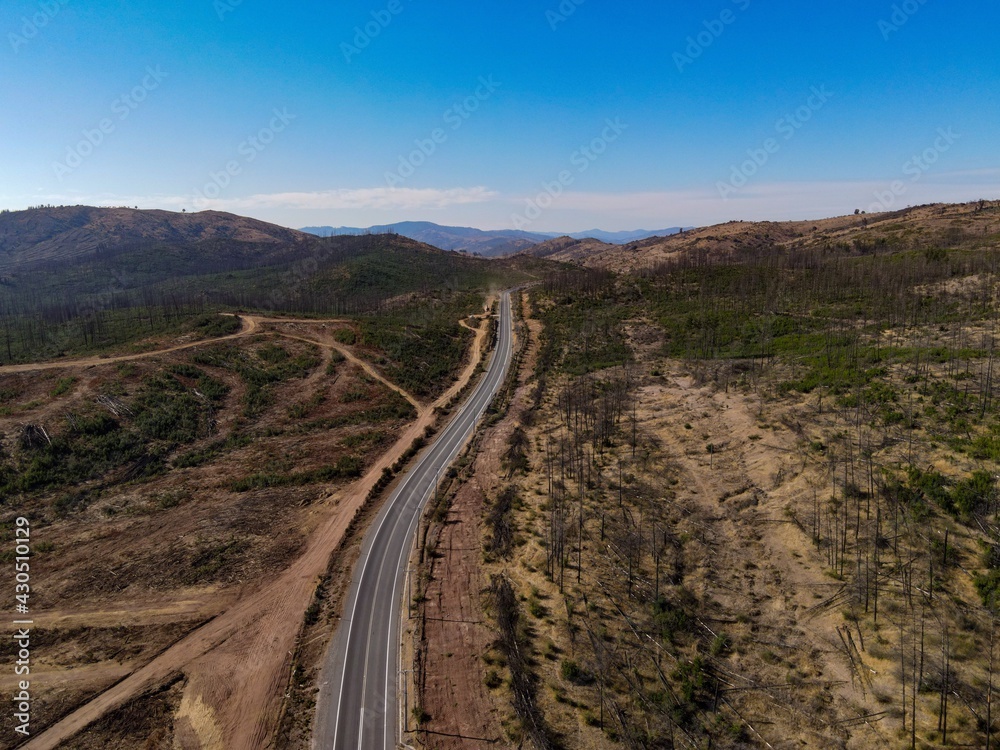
451 629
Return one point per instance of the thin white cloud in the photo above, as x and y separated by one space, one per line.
985 175
377 198
574 210
384 198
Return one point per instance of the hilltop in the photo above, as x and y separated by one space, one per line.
567 249
60 233
468 239
941 224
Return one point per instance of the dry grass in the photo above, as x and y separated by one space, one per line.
141 563
792 653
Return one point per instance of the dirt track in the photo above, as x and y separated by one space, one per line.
236 664
328 343
249 326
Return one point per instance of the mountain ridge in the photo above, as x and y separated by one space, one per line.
488 242
45 234
936 224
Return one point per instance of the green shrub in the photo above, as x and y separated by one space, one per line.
720 645
347 467
671 619
166 410
185 371
345 336
572 672
212 326
273 354
211 561
201 456
988 583
976 494
312 613
63 386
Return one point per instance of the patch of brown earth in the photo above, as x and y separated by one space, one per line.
237 664
463 712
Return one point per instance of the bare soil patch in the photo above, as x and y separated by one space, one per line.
456 632
265 548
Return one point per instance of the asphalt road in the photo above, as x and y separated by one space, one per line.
357 707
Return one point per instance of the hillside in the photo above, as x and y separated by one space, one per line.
940 224
567 249
491 243
203 476
746 496
622 238
72 279
202 456
742 491
43 235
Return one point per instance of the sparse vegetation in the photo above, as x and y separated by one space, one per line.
221 444
345 468
749 495
869 359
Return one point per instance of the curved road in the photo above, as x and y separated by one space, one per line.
356 708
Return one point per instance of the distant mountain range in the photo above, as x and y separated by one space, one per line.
622 238
470 240
490 243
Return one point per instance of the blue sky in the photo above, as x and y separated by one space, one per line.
548 115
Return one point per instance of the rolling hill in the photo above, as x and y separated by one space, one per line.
942 225
568 249
67 268
489 243
42 235
621 238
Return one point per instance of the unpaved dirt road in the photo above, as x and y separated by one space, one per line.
236 664
328 343
249 325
